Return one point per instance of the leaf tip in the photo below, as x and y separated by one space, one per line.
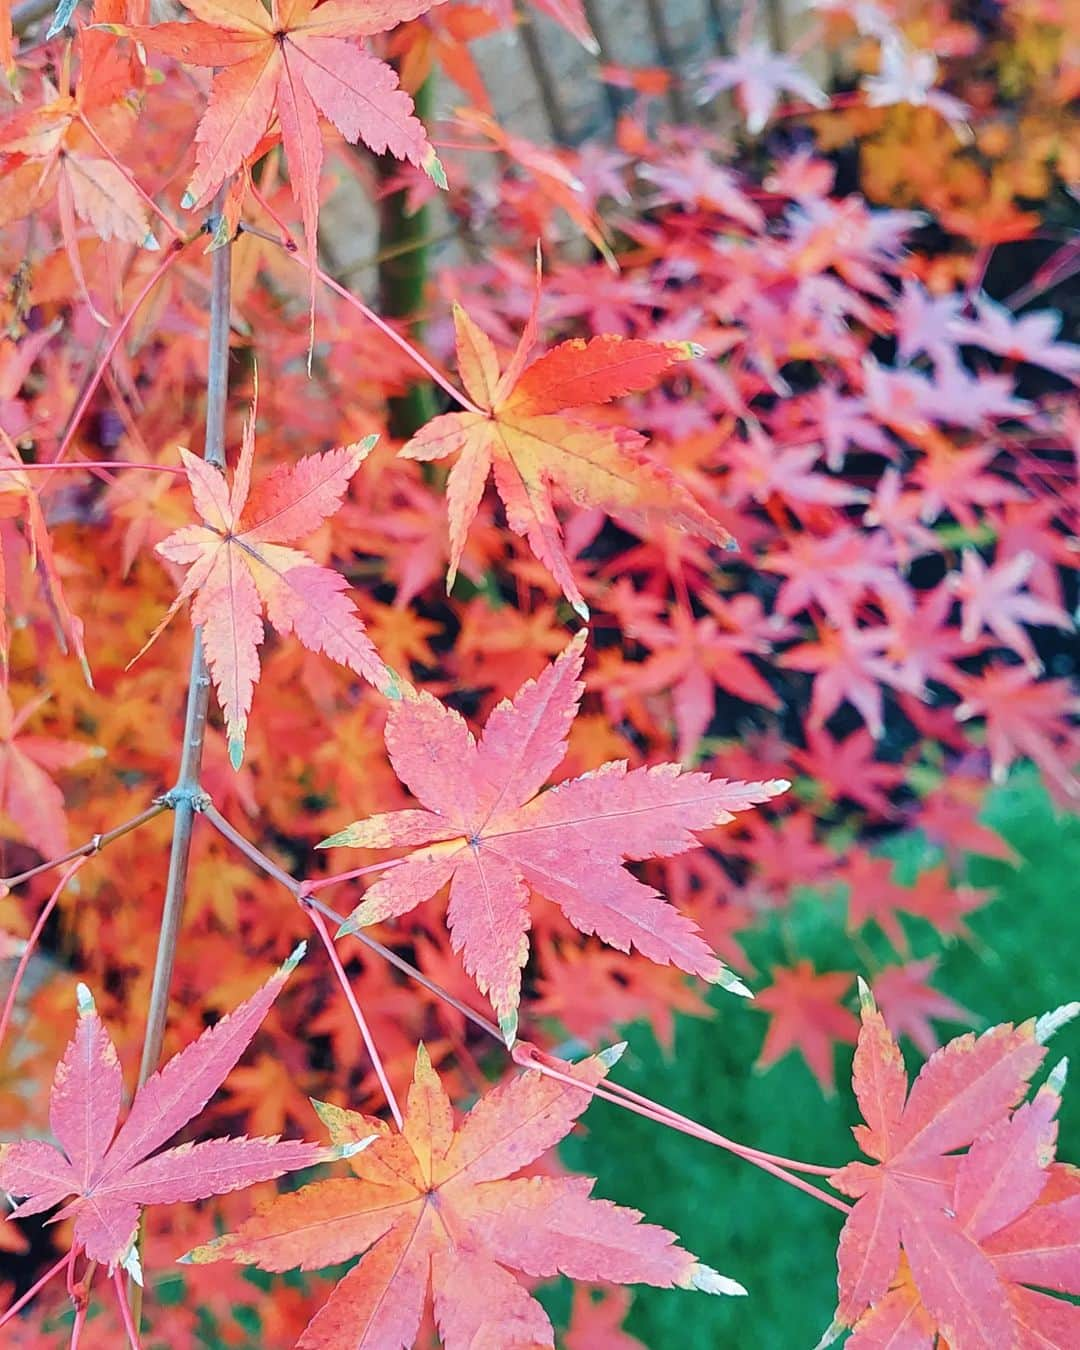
1056 1078
709 1281
433 167
295 957
508 1025
581 609
727 979
236 750
1050 1023
353 1147
187 201
84 1000
337 840
610 1056
202 1255
831 1332
349 927
866 998
391 687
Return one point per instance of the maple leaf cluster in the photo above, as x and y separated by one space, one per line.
805 462
966 1246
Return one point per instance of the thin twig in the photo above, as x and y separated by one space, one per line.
92 846
31 943
185 796
300 891
361 1021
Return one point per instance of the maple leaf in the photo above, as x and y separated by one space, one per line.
991 597
1030 338
296 60
949 817
848 769
524 432
694 656
1025 718
953 1217
237 565
440 1202
808 1016
486 828
760 75
111 1172
55 152
907 1003
909 76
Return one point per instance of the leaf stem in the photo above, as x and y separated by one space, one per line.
301 892
529 1057
320 883
174 251
369 1040
35 1289
50 466
31 943
125 1311
387 330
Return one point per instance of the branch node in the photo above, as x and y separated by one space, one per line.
196 797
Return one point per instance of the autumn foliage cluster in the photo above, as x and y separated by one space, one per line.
706 516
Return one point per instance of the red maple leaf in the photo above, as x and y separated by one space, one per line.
908 1003
486 828
848 769
991 597
438 1202
1025 718
808 1016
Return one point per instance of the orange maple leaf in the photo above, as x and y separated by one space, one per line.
296 60
522 429
434 1200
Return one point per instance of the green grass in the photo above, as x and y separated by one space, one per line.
1025 959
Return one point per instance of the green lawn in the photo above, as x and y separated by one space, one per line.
780 1244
